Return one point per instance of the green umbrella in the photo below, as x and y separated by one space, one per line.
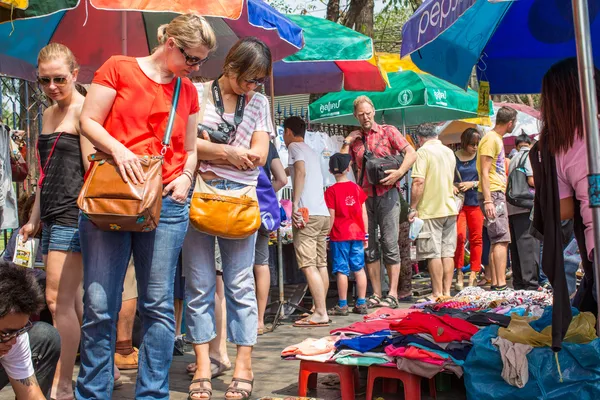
413 98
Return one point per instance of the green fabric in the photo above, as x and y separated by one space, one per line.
413 98
325 40
36 8
361 361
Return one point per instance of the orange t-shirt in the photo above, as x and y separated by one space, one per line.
139 114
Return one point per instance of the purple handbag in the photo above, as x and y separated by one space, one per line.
267 202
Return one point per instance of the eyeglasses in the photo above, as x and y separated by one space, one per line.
474 144
8 336
257 81
47 80
191 60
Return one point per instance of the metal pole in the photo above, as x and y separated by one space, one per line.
589 103
124 32
281 309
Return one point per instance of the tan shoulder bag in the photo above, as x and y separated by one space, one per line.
113 205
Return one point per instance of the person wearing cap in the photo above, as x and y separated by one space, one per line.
432 200
347 238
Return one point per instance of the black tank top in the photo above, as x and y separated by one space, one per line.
63 178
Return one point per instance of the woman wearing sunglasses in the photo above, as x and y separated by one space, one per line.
62 155
237 131
124 115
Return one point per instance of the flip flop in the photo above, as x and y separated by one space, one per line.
304 323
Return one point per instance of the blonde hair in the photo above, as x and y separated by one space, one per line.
55 51
188 31
249 58
362 99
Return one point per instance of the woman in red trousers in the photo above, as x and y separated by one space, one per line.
466 181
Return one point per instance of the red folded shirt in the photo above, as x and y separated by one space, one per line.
442 329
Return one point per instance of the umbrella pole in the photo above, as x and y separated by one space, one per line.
280 309
590 123
406 176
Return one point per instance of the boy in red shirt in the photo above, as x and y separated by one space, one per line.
347 238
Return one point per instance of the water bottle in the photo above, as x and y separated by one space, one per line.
499 212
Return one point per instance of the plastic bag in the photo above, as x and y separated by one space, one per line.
579 365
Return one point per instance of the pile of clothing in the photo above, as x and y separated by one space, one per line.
517 361
411 340
476 298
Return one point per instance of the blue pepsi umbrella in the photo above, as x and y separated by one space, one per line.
513 43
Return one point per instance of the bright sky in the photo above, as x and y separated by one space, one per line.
321 6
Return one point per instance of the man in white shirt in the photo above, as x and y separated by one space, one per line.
310 217
24 345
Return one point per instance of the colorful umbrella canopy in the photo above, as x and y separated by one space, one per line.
513 43
333 57
412 99
94 34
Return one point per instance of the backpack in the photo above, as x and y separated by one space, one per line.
267 202
518 191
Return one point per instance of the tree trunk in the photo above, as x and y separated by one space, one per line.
360 16
333 10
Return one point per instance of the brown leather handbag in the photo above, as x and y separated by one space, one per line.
230 214
114 205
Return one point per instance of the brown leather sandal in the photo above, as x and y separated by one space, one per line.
200 390
235 389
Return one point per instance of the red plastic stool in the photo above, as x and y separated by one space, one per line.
307 377
411 382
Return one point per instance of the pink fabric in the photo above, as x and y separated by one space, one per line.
414 353
571 171
389 313
311 347
363 327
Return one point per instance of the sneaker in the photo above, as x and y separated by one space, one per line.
337 310
179 348
362 309
129 361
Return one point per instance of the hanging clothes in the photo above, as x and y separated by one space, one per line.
8 195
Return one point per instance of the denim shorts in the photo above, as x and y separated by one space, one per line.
347 256
60 238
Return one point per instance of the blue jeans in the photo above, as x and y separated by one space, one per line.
237 257
105 259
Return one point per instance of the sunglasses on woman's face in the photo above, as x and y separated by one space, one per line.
191 60
474 144
48 80
10 335
257 81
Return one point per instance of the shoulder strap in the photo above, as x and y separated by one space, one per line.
456 171
204 100
45 168
171 121
523 160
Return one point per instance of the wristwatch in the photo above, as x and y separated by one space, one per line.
346 142
411 210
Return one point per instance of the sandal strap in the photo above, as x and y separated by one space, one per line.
241 380
200 380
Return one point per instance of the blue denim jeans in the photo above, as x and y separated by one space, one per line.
105 259
237 257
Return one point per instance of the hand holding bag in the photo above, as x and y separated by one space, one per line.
230 214
115 205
